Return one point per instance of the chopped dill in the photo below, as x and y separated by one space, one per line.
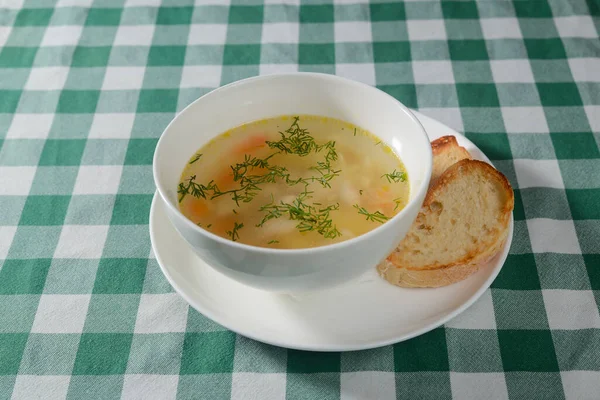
197 156
234 234
195 189
398 201
395 176
374 217
273 241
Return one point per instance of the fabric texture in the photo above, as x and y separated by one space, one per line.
86 89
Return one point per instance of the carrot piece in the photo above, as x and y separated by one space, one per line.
251 143
196 208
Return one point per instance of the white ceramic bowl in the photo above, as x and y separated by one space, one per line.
287 94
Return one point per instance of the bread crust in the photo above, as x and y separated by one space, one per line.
436 275
446 151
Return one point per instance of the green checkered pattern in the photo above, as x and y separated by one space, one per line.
87 87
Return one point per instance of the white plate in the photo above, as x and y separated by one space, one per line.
363 314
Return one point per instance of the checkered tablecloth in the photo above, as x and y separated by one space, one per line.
86 89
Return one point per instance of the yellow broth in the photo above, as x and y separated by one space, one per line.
293 182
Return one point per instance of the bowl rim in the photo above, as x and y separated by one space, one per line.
302 251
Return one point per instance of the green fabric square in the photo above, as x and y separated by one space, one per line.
174 15
150 125
580 47
33 17
519 210
591 263
580 201
11 351
316 53
204 55
537 28
278 53
120 275
437 95
577 349
580 174
348 53
101 317
68 16
527 350
406 94
131 209
567 119
104 152
543 202
140 151
477 95
424 10
155 281
308 362
312 386
212 14
11 207
494 145
245 14
93 56
117 101
387 11
49 354
197 322
128 56
137 180
535 146
104 16
102 354
162 77
378 359
54 56
17 314
521 243
429 50
389 31
393 73
35 241
78 101
427 352
316 33
255 357
534 385
518 94
9 99
17 57
281 13
559 94
431 385
166 55
85 78
186 97
71 276
157 100
575 145
80 206
472 71
467 50
316 13
538 9
529 302
71 126
205 386
62 151
54 180
391 51
44 210
98 36
21 151
236 54
351 12
587 232
518 273
589 92
506 49
545 49
155 354
473 350
460 9
243 34
579 7
459 29
563 271
27 36
98 386
139 15
23 276
207 353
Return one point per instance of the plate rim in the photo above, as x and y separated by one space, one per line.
503 255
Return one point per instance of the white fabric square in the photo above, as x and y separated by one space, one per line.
98 179
352 31
524 120
123 78
593 115
580 26
538 173
571 309
501 28
46 387
150 387
585 69
450 116
143 3
364 73
61 313
207 34
7 233
112 126
284 32
267 69
433 72
426 29
479 316
212 2
475 386
66 35
512 71
204 76
47 78
246 385
553 236
367 385
13 4
76 3
136 35
288 2
81 241
161 313
16 181
4 33
580 385
30 126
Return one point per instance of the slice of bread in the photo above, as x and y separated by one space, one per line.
463 223
446 151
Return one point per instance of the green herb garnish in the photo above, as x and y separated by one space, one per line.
395 176
273 241
197 156
374 217
195 189
398 201
234 234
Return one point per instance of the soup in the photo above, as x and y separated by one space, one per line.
293 182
